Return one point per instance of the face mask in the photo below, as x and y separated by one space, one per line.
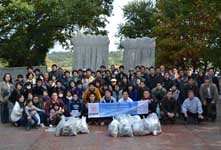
69 98
60 95
28 87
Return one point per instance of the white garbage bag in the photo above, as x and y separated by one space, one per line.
68 129
82 126
138 128
125 128
58 130
152 124
133 119
121 117
113 128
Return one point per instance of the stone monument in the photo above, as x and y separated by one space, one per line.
139 51
90 51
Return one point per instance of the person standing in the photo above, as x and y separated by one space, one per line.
6 88
209 96
214 79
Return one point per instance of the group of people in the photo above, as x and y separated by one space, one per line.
40 99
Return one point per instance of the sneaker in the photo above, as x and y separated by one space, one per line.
42 125
102 123
28 128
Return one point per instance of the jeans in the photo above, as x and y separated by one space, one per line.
35 120
10 107
21 121
4 112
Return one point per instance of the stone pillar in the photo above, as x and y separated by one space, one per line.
90 51
139 51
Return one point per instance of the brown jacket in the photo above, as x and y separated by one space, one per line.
87 93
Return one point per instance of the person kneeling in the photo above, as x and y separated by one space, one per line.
192 109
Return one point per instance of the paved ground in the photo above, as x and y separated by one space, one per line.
174 137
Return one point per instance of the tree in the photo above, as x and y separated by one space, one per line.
28 28
138 19
188 32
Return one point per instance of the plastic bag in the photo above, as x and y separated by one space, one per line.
125 128
68 129
82 126
59 127
138 128
76 125
134 119
152 124
113 128
121 117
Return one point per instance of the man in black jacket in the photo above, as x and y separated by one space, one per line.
168 108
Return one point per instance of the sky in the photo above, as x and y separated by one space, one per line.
112 26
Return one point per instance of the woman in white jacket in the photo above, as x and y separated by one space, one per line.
17 116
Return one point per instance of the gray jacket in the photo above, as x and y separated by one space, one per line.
5 91
213 91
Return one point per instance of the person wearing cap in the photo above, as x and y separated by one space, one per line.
113 83
113 80
209 96
91 89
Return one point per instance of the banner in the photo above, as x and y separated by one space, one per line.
98 110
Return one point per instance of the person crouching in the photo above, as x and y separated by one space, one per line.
192 109
168 108
33 118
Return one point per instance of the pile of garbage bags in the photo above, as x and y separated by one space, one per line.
129 126
71 126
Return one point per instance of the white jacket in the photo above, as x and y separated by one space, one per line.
125 100
17 112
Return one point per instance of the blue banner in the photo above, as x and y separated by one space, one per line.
98 110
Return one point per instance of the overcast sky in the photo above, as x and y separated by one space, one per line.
112 27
